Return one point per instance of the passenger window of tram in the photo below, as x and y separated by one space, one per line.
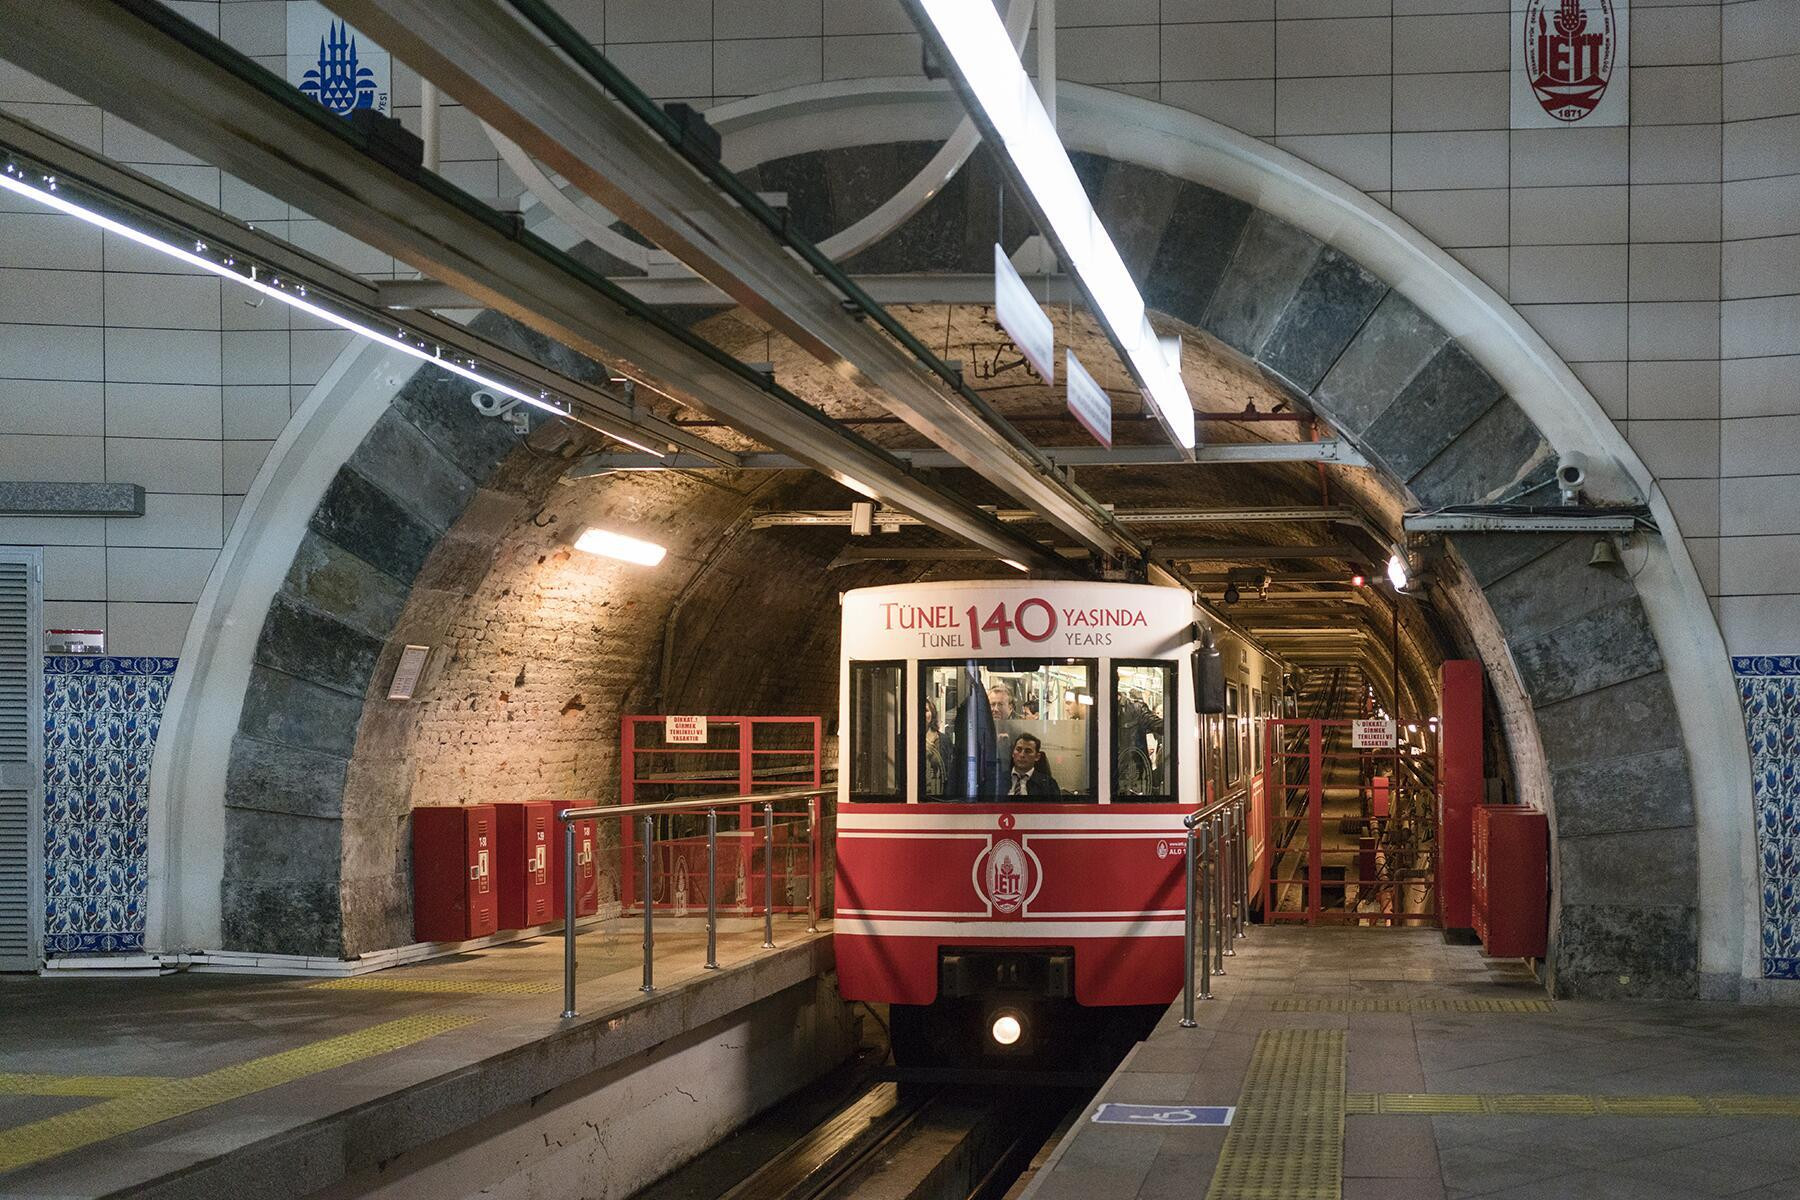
1233 768
877 731
1256 731
1143 740
1004 728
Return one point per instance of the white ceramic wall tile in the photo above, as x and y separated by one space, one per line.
1758 446
857 17
1580 332
1182 11
75 614
1759 29
1756 387
1676 449
138 574
60 458
1676 34
1762 147
1763 327
170 520
1072 13
1107 54
1755 625
1759 504
1695 503
48 240
162 301
74 573
855 56
1760 267
1679 329
666 70
1429 161
162 356
1674 390
1452 42
164 464
313 352
256 357
55 406
1351 46
1761 207
1675 212
1363 160
1488 263
755 65
162 410
1361 104
258 27
1675 271
52 531
242 460
658 20
785 18
1607 381
587 16
1675 95
1757 565
133 629
1466 217
255 411
1219 50
1247 105
51 297
52 352
1571 157
1471 100
1763 87
1570 216
1550 274
198 183
1675 153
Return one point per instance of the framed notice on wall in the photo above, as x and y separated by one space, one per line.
407 672
1570 63
684 731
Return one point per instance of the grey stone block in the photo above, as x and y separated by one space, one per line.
1646 867
402 461
1617 795
1392 346
282 708
361 518
1196 248
377 913
802 178
1500 456
1134 206
298 641
48 499
376 847
377 786
1446 397
1332 303
1491 557
1586 728
1606 951
437 403
1272 259
281 917
1552 590
282 846
286 779
329 579
1603 647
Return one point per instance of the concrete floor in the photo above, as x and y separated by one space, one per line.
1433 1099
108 1084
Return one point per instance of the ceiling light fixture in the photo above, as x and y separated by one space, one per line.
1358 579
13 179
1396 572
1003 101
608 544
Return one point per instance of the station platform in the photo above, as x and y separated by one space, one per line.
232 1085
1384 1063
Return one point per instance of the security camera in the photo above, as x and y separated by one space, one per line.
1571 473
489 404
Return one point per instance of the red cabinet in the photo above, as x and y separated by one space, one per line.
453 873
522 870
1511 880
587 867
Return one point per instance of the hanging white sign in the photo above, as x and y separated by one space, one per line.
1023 318
1375 733
1088 401
1570 63
684 731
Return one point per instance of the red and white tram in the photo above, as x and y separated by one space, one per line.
1015 762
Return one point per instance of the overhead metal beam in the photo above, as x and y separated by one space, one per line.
506 74
131 193
181 84
1573 522
1238 454
1198 552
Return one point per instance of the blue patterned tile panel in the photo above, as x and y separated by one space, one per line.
1769 689
101 718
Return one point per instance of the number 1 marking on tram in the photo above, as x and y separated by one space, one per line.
1164 1115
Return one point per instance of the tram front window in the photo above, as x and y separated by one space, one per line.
1000 729
1143 739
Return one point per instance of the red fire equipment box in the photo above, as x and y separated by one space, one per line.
587 867
453 873
1511 882
522 865
1459 785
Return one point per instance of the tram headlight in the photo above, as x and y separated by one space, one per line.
1007 1029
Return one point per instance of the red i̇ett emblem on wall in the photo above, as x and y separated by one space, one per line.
1570 48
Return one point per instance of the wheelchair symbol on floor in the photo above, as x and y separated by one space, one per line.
1164 1115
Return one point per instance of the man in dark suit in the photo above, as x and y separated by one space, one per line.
1031 770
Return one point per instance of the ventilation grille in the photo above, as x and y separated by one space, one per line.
16 678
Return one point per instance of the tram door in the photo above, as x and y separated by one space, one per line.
1351 832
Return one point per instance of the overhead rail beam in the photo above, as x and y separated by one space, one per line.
1574 521
1198 552
189 88
636 161
113 191
1236 454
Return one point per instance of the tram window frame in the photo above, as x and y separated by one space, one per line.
1256 731
1167 741
1233 726
862 668
1089 795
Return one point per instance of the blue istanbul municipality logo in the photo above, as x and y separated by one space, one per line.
339 82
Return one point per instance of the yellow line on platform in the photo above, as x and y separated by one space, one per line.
1286 1141
442 986
1565 1104
1405 1004
27 1083
169 1098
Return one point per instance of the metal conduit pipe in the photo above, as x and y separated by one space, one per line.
562 35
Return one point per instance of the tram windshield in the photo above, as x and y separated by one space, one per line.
999 728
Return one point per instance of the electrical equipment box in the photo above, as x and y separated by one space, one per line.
1511 880
587 867
523 869
1459 785
453 873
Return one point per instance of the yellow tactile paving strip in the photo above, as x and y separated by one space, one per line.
1561 1104
29 1084
443 986
1287 1139
1402 1004
167 1098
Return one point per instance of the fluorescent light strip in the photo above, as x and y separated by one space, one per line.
48 196
977 43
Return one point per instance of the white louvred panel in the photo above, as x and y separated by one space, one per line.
19 678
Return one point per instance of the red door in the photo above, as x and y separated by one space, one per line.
523 860
587 874
453 885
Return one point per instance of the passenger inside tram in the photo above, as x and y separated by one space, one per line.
993 706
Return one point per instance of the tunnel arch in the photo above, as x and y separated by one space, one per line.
1319 283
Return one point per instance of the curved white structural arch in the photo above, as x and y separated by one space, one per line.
872 111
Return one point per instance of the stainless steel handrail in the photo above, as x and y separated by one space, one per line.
1217 892
710 805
